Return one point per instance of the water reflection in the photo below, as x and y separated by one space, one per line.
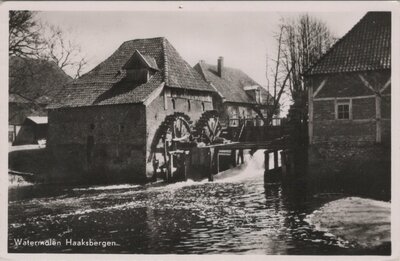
239 214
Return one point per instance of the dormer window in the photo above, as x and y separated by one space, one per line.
139 68
253 92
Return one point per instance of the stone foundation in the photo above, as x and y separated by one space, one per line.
363 168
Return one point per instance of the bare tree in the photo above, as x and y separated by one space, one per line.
305 40
65 53
277 77
29 38
24 37
300 42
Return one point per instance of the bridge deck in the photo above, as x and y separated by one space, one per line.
278 144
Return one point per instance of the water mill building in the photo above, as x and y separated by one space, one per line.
106 121
123 118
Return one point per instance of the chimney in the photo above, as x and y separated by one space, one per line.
220 66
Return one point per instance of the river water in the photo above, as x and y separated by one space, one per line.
237 213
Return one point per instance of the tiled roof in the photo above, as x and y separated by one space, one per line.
17 98
231 84
365 47
100 85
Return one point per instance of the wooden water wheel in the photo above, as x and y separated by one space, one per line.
208 128
173 136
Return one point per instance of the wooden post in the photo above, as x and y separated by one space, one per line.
210 164
170 167
241 157
266 161
233 158
276 159
283 163
216 161
186 164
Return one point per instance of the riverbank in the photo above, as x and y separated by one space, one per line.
363 222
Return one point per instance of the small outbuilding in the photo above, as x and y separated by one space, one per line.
350 109
32 130
350 86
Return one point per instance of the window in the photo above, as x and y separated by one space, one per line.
203 107
173 104
188 105
343 111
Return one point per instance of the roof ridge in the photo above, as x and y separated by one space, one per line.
141 39
333 46
164 48
227 67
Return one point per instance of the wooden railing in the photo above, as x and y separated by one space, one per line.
237 122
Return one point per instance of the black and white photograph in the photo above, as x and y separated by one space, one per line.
200 128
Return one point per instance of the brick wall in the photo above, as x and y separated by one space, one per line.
360 168
323 111
348 87
344 131
386 104
361 127
118 133
386 131
363 108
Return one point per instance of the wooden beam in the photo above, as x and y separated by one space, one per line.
344 98
167 93
233 158
154 94
283 163
354 120
351 109
266 160
170 167
378 100
386 85
276 159
319 87
336 109
210 164
216 161
240 156
367 84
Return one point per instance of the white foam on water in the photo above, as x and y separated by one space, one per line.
177 185
110 187
253 168
15 181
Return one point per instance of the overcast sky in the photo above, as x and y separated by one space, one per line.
243 38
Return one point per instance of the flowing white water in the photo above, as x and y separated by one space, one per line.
253 168
110 187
